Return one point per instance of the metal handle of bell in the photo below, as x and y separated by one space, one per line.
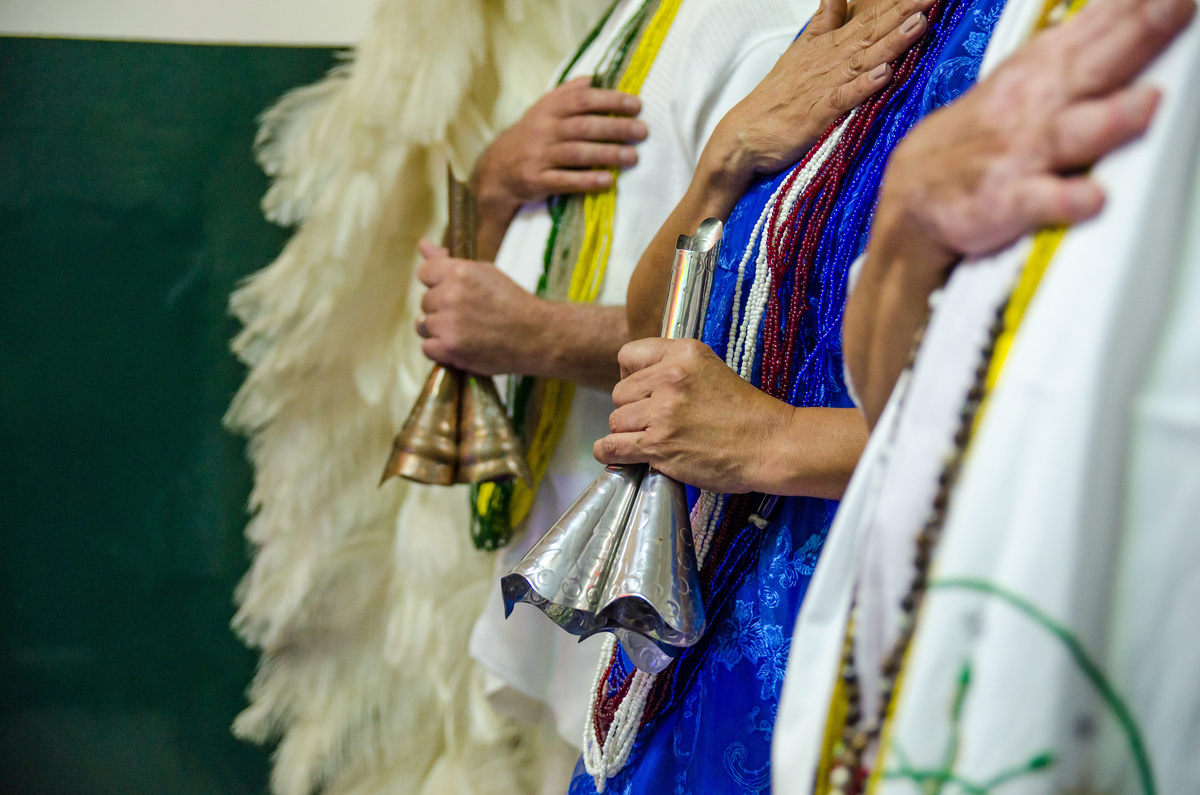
691 282
458 430
622 559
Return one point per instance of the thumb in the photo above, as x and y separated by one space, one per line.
429 250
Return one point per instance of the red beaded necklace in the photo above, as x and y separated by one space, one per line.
792 242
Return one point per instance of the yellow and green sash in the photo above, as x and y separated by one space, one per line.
576 259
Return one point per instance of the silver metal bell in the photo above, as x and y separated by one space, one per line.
565 573
622 559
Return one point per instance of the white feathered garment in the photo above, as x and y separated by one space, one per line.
361 598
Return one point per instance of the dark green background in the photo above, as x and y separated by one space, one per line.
128 210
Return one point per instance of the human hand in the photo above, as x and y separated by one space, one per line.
831 68
565 143
684 412
1001 162
474 317
1005 159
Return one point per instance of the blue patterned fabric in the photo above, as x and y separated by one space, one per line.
717 737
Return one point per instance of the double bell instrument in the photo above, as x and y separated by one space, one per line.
621 559
458 430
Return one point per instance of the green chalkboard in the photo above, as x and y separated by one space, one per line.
128 210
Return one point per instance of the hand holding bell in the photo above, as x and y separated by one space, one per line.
458 430
621 559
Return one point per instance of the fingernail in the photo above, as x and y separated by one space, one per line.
631 104
912 23
879 72
1139 103
1086 200
640 130
629 156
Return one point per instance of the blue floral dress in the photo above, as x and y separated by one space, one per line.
716 738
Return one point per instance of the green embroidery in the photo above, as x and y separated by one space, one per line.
933 781
1091 670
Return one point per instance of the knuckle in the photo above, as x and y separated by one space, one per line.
857 63
692 351
624 357
622 395
606 448
559 100
572 127
527 176
670 407
659 441
871 31
836 99
674 374
572 152
540 131
581 101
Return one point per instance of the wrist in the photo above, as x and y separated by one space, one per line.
494 204
722 177
903 254
495 209
492 198
904 265
542 346
769 462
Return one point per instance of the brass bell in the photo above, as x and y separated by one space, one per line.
458 430
488 447
426 449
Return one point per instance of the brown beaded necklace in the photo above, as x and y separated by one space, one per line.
848 775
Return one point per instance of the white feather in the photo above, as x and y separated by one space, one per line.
361 598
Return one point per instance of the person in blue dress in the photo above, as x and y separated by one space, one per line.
756 416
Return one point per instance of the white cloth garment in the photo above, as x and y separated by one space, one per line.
1066 583
714 54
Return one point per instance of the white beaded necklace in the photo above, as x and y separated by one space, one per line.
743 344
603 759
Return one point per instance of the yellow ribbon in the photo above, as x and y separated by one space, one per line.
587 279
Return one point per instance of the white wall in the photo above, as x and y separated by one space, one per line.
319 22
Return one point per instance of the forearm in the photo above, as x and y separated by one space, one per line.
887 309
812 454
713 192
577 343
495 211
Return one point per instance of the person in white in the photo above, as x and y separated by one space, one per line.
488 320
1053 649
